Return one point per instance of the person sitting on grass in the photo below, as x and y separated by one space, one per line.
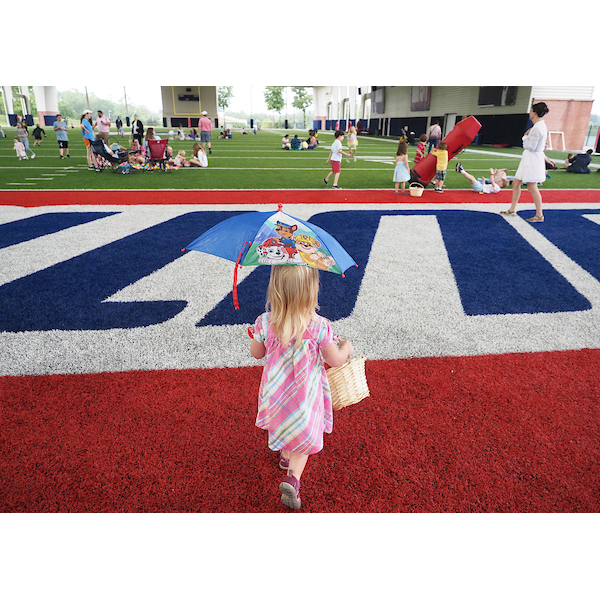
580 162
285 142
296 143
493 185
137 154
312 141
180 160
199 159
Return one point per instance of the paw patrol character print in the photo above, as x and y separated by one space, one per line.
273 252
286 233
307 247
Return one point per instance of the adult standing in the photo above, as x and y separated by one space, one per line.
137 130
103 124
532 168
24 138
62 138
87 131
434 135
205 125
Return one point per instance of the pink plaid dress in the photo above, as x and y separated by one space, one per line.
294 400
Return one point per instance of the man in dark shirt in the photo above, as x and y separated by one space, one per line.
579 163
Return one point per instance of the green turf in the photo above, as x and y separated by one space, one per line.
254 162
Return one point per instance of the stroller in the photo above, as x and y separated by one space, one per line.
106 160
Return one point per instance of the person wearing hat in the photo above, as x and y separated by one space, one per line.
205 125
87 131
62 138
103 124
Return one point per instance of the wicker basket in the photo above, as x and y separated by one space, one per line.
416 189
348 383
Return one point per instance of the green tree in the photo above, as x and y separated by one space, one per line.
302 100
225 95
274 98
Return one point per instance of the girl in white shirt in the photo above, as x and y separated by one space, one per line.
532 168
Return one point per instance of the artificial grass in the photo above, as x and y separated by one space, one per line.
508 433
253 162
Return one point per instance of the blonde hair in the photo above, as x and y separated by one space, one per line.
293 298
181 153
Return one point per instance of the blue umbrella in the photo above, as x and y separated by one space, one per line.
272 238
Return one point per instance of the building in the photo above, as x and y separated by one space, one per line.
503 111
183 105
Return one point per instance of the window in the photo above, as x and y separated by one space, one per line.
497 95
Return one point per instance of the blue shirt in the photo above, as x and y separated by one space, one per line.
61 134
88 132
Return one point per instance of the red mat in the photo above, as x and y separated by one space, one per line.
509 433
31 198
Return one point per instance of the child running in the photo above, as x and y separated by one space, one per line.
493 185
402 172
294 399
19 148
335 157
441 152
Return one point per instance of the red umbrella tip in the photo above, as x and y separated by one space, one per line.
183 249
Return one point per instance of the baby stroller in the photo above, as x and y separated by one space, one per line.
106 160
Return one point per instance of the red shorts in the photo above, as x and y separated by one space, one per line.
336 166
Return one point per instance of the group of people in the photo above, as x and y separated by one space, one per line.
297 143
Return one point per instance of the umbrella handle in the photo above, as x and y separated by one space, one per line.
236 304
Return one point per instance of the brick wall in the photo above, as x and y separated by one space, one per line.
571 117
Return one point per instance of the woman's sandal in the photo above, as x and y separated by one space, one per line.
535 219
510 213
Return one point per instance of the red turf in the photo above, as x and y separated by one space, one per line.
30 198
509 433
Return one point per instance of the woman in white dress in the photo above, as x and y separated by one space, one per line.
532 168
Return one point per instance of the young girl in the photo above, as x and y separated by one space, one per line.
402 172
137 153
199 159
19 147
420 155
24 138
180 160
294 400
352 142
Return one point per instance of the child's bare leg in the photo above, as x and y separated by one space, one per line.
469 176
397 185
297 464
328 176
335 178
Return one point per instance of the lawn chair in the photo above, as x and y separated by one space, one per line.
106 160
157 153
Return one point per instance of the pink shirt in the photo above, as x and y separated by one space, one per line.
103 122
205 124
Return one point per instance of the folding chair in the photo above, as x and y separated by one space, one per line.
157 153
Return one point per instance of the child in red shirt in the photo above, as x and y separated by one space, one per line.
421 148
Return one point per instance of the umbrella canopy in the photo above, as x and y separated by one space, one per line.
273 238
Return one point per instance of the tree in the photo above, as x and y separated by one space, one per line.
302 100
225 95
274 98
